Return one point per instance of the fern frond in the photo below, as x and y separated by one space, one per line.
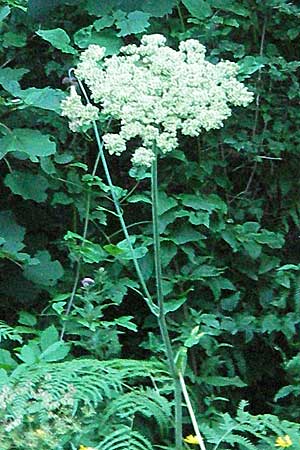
9 333
146 402
91 379
125 439
234 439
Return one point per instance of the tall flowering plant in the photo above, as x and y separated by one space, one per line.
153 93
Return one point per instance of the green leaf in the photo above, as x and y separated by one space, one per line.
12 233
46 98
135 22
58 38
198 8
11 39
104 22
30 142
48 337
211 202
55 352
230 5
25 318
4 12
28 185
29 354
9 79
113 250
46 272
139 198
125 322
185 234
158 8
108 39
165 203
173 305
138 252
6 361
250 64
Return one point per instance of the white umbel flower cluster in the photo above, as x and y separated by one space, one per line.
81 116
155 91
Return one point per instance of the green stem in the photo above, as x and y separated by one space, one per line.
153 308
191 412
160 300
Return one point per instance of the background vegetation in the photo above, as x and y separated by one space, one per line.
229 220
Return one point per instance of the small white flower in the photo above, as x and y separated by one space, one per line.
114 143
143 157
80 116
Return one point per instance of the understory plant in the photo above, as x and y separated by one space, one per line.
146 99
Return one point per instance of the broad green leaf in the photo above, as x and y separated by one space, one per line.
25 318
229 5
211 202
48 337
30 142
184 234
173 305
107 38
198 8
199 218
125 322
6 361
60 198
139 198
58 38
113 250
165 203
12 233
204 271
98 8
231 302
4 12
250 64
29 354
104 22
28 185
55 352
135 22
11 39
46 272
46 98
9 79
158 8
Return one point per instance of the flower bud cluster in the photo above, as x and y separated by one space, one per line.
154 91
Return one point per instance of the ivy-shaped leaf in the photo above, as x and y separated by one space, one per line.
46 98
58 38
30 142
135 22
198 8
46 272
28 185
12 233
108 39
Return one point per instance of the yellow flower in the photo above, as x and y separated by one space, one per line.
190 439
83 447
40 433
283 441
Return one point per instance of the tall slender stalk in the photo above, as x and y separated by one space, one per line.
157 310
160 300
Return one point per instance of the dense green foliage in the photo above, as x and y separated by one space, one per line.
229 221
